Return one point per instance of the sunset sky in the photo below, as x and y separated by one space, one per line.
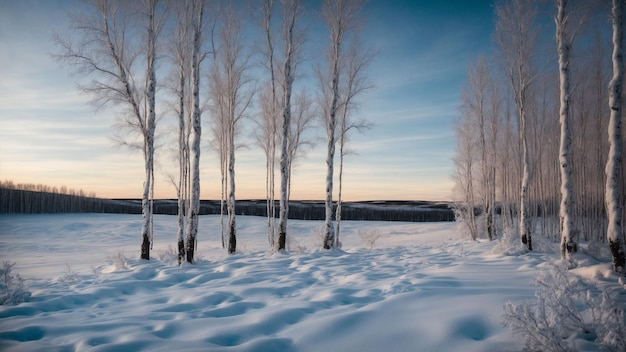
49 134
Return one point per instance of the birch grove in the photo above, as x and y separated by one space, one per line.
543 129
109 52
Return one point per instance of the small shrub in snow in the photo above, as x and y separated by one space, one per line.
509 243
167 255
293 245
13 288
609 320
70 275
563 309
119 260
369 236
319 233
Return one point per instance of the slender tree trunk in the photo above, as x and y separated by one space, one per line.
182 163
196 132
149 133
569 240
224 179
524 218
291 14
145 211
285 158
615 235
340 185
232 228
329 238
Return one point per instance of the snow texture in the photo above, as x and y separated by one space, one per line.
420 288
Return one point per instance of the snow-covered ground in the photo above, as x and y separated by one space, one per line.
421 288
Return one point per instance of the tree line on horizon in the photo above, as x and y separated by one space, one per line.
197 54
29 198
539 131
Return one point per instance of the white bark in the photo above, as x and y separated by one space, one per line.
615 235
270 123
178 52
340 17
569 235
196 131
292 46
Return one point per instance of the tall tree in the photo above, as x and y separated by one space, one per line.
178 50
516 36
564 40
266 135
197 57
109 50
228 80
480 102
292 43
341 18
282 57
615 235
356 61
464 173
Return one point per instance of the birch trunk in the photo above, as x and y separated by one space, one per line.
232 226
516 36
182 164
524 217
270 121
340 180
285 159
569 235
615 236
336 33
146 226
196 133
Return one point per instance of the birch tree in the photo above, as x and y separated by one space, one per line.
230 100
266 135
109 51
197 57
178 49
283 55
464 173
516 36
480 102
357 59
341 19
564 40
615 236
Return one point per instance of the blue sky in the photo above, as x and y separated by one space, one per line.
50 135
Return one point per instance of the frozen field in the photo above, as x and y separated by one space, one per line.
420 288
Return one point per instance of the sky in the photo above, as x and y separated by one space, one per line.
50 134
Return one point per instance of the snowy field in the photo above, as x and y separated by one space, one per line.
420 288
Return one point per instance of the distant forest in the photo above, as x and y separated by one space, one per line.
41 199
